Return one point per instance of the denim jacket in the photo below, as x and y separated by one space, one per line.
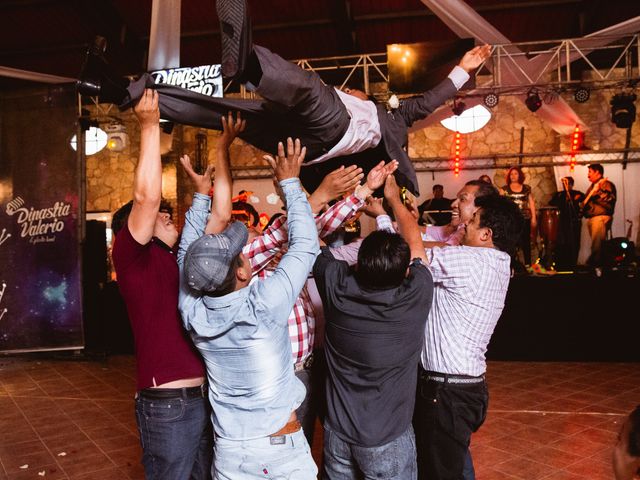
243 336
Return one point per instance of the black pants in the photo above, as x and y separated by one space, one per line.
445 417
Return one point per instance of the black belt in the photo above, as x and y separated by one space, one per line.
168 393
450 378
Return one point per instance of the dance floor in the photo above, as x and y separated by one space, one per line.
69 418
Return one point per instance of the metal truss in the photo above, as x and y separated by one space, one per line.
557 72
623 52
487 162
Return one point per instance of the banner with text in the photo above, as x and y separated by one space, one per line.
40 291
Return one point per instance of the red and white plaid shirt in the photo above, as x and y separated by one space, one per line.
264 253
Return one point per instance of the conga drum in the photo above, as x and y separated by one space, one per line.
548 223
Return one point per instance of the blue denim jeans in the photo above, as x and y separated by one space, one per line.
395 460
176 438
285 457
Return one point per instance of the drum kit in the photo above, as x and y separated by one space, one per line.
548 224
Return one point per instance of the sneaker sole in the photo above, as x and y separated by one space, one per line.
231 14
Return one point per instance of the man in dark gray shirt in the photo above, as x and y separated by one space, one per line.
374 315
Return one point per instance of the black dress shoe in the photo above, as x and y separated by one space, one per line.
97 79
235 33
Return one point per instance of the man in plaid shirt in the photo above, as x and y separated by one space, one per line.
264 253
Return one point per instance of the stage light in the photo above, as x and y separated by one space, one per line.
582 94
533 100
458 107
618 252
623 110
117 138
491 100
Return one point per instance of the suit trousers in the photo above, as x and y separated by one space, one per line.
296 104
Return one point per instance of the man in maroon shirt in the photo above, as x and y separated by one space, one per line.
172 409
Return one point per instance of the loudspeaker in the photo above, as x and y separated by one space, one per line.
94 277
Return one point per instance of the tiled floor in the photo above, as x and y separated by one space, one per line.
73 419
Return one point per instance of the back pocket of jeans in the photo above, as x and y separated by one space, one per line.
163 411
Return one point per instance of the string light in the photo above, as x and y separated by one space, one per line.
575 146
456 153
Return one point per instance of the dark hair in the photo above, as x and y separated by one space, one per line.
228 285
248 208
485 178
273 219
437 185
121 216
504 218
383 260
634 432
353 84
520 175
484 189
596 167
570 180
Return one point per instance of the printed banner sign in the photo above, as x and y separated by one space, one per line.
40 291
206 79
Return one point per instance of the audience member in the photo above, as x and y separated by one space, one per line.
471 283
437 208
172 411
372 314
626 452
241 328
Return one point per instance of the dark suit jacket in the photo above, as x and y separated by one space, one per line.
394 125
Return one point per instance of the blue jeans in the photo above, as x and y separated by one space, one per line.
468 473
176 438
395 460
285 457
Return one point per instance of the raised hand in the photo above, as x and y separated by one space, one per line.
231 129
474 57
335 184
201 183
391 190
147 110
373 207
287 166
378 174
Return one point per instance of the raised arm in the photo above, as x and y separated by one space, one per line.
416 108
407 223
196 217
335 184
278 292
222 205
147 183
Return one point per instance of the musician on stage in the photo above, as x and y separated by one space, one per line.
568 201
598 207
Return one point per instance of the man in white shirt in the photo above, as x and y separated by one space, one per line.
332 124
470 283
